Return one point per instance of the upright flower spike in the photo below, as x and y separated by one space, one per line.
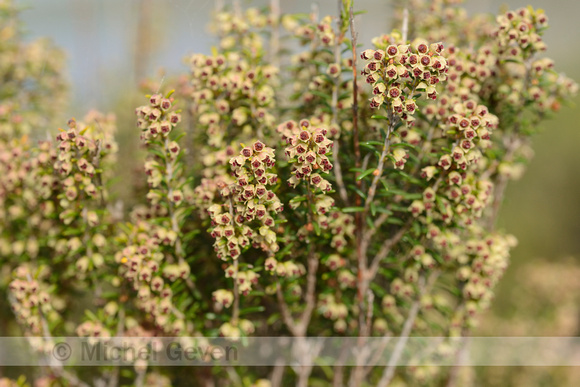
308 150
249 218
398 72
157 120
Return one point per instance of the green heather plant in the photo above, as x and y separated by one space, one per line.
316 188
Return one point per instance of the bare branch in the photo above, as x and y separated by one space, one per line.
385 250
389 371
405 25
310 298
236 305
179 252
275 37
237 8
277 374
354 36
334 105
285 311
379 171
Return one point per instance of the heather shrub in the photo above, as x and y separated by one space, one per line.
316 188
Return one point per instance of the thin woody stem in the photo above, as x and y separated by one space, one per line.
275 37
389 372
236 290
179 252
285 311
334 104
358 218
379 171
405 28
299 328
385 250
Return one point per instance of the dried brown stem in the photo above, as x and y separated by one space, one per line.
389 372
379 171
275 37
179 252
385 250
236 290
334 105
285 311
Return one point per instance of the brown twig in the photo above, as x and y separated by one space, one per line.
310 297
275 37
236 290
169 169
386 249
389 372
334 105
285 311
379 171
354 36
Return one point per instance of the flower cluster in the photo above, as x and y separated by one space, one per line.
230 97
308 150
250 200
30 299
332 309
242 328
28 204
448 21
318 73
157 119
518 39
284 269
520 30
471 126
238 29
143 264
397 71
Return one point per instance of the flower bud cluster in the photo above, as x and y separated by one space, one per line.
291 128
284 269
144 265
30 299
397 71
244 279
28 190
330 308
341 225
241 31
237 330
82 154
85 151
526 79
462 198
446 20
93 329
520 31
222 298
470 126
233 223
231 98
158 118
308 150
483 258
317 73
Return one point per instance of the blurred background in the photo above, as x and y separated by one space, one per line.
111 45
